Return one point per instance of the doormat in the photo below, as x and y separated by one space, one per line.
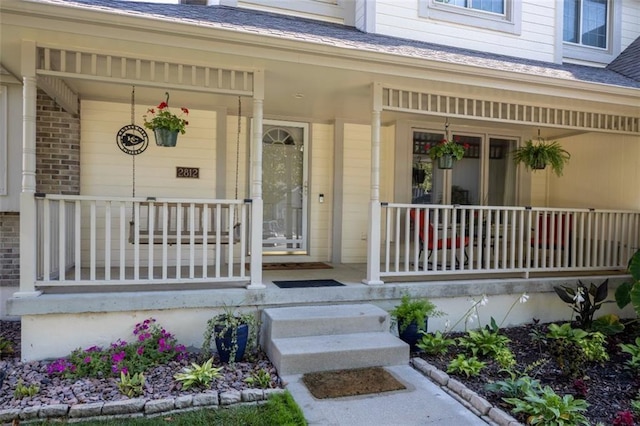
307 283
294 266
340 383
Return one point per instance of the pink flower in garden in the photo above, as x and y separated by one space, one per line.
116 358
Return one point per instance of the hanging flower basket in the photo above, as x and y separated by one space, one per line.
165 137
445 162
165 124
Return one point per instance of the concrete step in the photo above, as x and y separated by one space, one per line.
322 320
306 354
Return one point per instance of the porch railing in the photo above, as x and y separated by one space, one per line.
436 239
82 240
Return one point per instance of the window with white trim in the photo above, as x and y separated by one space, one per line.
591 29
498 15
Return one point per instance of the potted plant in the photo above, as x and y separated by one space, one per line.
232 333
165 124
446 152
412 318
536 156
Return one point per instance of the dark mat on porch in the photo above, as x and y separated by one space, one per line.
307 283
361 381
294 266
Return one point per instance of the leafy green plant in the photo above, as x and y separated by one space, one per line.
634 351
608 325
6 348
515 387
572 348
585 301
629 292
505 358
413 310
536 156
435 344
484 342
23 391
446 147
545 407
467 366
162 118
131 386
260 378
198 375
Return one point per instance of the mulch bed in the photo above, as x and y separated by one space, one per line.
610 387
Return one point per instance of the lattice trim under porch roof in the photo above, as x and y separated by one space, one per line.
65 63
506 112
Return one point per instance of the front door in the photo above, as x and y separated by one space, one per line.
284 180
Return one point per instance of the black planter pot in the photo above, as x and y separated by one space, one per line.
224 343
411 335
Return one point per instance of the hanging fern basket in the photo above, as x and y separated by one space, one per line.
539 164
165 137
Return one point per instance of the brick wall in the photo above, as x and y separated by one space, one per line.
57 172
9 253
57 149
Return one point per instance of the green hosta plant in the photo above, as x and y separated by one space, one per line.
198 375
260 378
608 325
435 344
6 348
585 301
23 391
515 387
634 351
467 366
484 341
131 386
547 408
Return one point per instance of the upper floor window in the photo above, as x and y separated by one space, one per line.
586 22
498 15
493 6
591 30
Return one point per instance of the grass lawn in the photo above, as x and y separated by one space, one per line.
280 410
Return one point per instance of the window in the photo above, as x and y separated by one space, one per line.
591 29
498 15
493 6
585 22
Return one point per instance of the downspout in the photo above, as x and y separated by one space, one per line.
373 239
27 196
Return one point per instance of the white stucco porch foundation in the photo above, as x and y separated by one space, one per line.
55 324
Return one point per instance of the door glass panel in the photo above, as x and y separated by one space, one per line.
283 189
465 183
424 176
502 173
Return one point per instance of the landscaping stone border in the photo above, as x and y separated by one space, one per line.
137 407
470 399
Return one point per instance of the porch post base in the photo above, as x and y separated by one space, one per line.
372 282
256 286
25 294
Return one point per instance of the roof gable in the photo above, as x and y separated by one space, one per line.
628 62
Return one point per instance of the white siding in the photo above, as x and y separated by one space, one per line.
357 181
321 182
630 22
11 164
613 186
401 19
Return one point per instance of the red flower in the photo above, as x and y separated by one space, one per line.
466 146
163 105
185 110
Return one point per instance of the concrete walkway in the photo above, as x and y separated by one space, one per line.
422 403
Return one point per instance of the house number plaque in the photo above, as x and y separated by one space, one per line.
188 172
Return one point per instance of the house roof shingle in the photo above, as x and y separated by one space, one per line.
318 32
628 62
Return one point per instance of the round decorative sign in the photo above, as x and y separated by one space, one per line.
132 139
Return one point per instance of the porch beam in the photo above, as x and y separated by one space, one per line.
28 258
373 240
434 104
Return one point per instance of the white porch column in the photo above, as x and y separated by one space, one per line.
373 235
256 183
27 200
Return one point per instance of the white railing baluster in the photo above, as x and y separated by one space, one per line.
92 241
165 239
107 241
62 240
78 240
179 222
151 228
192 239
122 238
